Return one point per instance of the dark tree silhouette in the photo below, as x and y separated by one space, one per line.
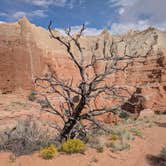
76 105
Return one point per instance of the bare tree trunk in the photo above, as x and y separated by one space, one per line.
72 120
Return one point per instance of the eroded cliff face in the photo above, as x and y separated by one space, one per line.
20 58
27 51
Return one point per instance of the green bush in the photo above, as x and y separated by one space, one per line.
73 146
48 152
124 115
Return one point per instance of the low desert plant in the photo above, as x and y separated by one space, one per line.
122 133
100 149
124 115
160 112
32 96
97 142
120 136
48 152
136 132
73 146
27 136
163 154
159 160
94 159
114 137
119 145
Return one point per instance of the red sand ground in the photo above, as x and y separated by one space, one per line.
153 140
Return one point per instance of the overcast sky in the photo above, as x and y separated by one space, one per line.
118 16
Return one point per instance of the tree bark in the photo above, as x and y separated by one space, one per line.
72 120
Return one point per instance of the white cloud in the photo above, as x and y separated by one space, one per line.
1 22
19 14
2 14
44 3
117 3
121 11
138 14
39 13
88 31
118 28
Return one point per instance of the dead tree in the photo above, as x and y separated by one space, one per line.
76 106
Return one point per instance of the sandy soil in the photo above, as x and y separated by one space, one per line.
152 142
154 138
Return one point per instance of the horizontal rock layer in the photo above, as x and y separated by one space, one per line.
27 51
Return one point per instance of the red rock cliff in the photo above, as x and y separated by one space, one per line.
27 51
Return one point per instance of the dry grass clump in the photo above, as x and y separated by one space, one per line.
119 138
119 145
27 136
163 156
136 132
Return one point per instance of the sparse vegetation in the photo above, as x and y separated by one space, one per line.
48 152
124 115
114 137
163 156
120 137
159 160
32 95
122 133
136 132
119 145
73 146
94 159
26 137
100 149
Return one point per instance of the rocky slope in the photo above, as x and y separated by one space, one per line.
27 51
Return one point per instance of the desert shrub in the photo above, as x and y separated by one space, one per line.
114 137
26 137
122 133
136 132
160 112
163 154
159 160
73 146
119 138
124 115
94 160
119 145
100 149
43 103
97 142
48 152
32 96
